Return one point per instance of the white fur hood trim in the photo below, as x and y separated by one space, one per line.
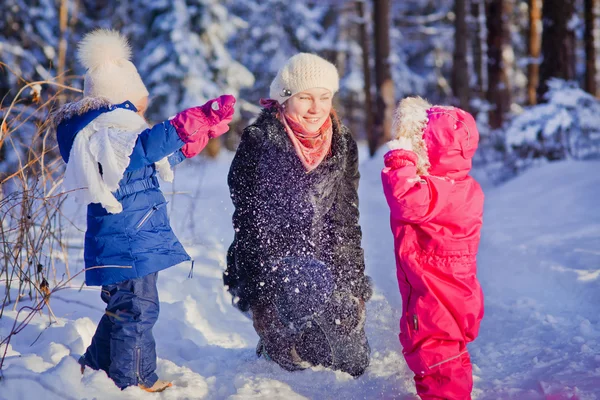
410 120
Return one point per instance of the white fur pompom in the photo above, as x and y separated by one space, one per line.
102 46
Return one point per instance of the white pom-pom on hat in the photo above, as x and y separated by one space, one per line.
102 46
106 56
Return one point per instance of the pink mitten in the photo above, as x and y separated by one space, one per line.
395 159
198 124
191 149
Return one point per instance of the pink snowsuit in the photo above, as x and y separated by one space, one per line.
436 221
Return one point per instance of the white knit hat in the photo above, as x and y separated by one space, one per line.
302 72
105 54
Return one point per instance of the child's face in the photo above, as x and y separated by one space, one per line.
141 106
310 108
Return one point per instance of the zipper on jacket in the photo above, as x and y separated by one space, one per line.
146 217
410 319
409 296
415 321
138 361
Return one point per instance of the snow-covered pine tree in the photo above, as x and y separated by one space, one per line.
567 125
182 55
29 51
422 43
276 30
28 43
30 33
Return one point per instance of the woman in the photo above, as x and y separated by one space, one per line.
296 262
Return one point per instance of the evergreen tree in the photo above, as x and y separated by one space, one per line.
182 55
28 43
276 30
558 43
499 62
422 45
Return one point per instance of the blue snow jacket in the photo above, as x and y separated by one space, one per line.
137 241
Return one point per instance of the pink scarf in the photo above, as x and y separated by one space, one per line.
311 147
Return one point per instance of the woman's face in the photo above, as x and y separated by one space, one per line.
310 108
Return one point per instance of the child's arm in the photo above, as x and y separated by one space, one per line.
411 198
189 131
176 158
154 144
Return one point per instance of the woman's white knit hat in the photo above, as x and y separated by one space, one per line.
109 72
302 72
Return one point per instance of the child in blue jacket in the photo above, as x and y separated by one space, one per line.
112 158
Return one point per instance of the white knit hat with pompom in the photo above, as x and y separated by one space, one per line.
302 72
106 56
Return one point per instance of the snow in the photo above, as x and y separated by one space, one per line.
539 269
539 265
567 123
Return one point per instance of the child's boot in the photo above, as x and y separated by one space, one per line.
158 386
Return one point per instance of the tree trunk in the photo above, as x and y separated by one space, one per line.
62 47
590 46
479 35
558 43
364 42
534 47
331 19
499 49
385 102
460 67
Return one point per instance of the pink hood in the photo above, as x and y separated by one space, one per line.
444 138
451 138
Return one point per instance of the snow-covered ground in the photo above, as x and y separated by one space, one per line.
539 266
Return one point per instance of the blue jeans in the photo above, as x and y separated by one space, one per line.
123 345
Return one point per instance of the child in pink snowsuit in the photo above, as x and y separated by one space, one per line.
436 216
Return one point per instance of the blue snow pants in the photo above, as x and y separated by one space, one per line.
123 345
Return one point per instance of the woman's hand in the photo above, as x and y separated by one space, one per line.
399 158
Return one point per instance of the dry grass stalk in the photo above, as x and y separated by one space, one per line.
34 262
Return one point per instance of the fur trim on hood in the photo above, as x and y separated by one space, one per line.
80 107
410 120
444 138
